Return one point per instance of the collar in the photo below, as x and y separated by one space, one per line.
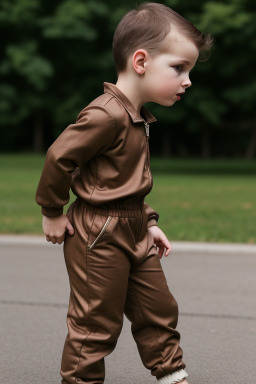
126 103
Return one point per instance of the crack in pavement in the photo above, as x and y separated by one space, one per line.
33 303
188 314
215 315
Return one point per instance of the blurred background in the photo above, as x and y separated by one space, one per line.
55 57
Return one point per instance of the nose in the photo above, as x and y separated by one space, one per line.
186 83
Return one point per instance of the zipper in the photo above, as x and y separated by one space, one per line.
148 166
146 128
148 160
101 232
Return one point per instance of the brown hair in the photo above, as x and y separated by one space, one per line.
146 26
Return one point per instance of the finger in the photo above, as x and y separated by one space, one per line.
161 251
158 248
53 239
48 238
60 239
158 251
70 228
167 245
168 250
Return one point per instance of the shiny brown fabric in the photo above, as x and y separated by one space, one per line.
120 274
104 157
111 260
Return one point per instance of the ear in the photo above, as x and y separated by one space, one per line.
138 61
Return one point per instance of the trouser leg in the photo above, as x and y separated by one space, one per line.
121 273
153 312
98 284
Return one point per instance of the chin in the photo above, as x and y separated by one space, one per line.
166 103
170 104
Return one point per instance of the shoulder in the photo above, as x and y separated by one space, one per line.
98 119
105 107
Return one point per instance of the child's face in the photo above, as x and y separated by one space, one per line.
167 74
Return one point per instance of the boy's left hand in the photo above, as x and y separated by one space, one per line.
160 240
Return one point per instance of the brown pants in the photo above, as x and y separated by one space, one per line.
114 269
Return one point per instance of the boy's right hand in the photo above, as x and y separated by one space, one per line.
55 227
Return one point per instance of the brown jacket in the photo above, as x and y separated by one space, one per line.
104 157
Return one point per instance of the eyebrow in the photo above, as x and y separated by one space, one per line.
184 61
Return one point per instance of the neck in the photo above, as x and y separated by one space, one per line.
127 85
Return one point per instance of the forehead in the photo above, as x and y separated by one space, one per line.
178 46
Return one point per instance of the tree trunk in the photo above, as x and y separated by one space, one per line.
250 152
38 139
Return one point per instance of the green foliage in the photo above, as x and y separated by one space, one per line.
24 61
18 12
55 57
224 18
71 20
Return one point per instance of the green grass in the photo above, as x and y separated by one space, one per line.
213 200
206 208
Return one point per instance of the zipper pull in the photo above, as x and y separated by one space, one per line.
146 128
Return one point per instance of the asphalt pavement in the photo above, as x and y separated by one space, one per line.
214 285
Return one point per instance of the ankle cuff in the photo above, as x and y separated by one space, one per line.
175 377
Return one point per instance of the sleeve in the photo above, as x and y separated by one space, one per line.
153 216
92 134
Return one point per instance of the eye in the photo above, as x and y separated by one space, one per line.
178 68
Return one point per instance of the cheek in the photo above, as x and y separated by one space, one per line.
168 80
167 87
163 82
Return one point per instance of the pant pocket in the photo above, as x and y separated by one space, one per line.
98 228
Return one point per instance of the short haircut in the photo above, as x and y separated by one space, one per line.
146 26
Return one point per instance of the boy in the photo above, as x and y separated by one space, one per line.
112 243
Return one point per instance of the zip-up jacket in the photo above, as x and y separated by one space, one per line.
104 157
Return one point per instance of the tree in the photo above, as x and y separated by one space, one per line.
48 69
56 56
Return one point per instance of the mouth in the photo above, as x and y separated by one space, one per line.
179 95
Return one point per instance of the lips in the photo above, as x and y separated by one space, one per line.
179 95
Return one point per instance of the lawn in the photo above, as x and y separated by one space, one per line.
213 200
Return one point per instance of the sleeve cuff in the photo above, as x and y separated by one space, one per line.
175 377
52 212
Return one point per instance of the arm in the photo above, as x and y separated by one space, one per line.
159 237
161 241
93 132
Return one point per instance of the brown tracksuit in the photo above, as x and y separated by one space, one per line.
111 259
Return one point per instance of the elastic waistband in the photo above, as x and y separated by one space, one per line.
129 209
